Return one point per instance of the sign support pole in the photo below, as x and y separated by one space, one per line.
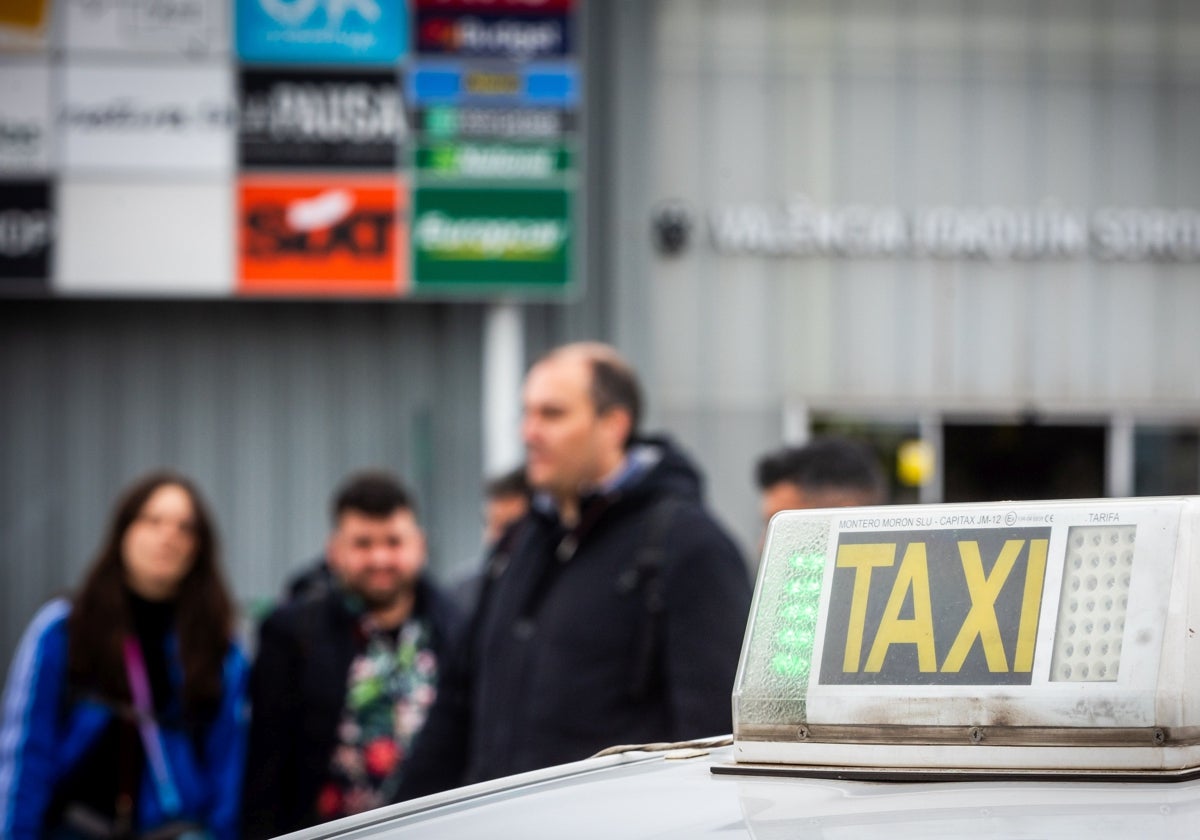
503 367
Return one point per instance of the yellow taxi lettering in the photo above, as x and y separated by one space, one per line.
861 558
981 621
913 576
1031 603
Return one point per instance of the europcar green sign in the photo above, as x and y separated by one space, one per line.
472 240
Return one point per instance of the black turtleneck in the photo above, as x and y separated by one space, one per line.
153 622
116 759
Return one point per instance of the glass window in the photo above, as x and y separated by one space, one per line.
1166 460
886 438
986 462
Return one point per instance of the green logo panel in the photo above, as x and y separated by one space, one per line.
496 161
491 240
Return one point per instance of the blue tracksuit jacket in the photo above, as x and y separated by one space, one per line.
39 743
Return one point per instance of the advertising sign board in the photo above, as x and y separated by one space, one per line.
501 161
231 148
27 231
322 31
449 121
453 82
508 7
470 240
144 236
519 37
307 235
194 28
25 126
293 118
120 117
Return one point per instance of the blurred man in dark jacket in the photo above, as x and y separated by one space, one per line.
619 614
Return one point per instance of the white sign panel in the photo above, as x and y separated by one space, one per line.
185 27
25 131
156 238
175 118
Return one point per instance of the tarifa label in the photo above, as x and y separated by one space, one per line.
466 239
955 606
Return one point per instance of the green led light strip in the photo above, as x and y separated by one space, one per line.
798 614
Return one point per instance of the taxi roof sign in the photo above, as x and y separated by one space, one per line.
1010 635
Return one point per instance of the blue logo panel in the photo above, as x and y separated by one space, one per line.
322 31
453 83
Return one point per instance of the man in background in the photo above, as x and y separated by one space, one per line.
345 676
620 614
826 472
505 502
506 499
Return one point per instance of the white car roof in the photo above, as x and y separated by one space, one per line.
658 795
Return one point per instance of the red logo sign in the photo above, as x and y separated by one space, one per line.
322 236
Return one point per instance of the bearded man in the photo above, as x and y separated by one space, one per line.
343 679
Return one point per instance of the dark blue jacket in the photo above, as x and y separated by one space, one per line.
566 657
43 738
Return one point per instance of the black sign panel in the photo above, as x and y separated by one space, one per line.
309 119
952 607
27 232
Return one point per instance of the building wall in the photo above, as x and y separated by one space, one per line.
901 108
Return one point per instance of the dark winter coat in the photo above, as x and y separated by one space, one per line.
298 692
566 657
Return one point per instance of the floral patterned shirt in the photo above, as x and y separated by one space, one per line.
389 690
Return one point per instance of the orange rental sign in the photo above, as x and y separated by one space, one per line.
322 236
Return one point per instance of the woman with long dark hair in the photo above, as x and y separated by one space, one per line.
124 711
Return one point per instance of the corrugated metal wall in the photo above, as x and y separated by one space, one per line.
267 406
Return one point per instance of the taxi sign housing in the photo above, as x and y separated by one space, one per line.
1008 636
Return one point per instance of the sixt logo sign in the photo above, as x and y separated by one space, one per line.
321 30
935 607
324 224
319 236
520 38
